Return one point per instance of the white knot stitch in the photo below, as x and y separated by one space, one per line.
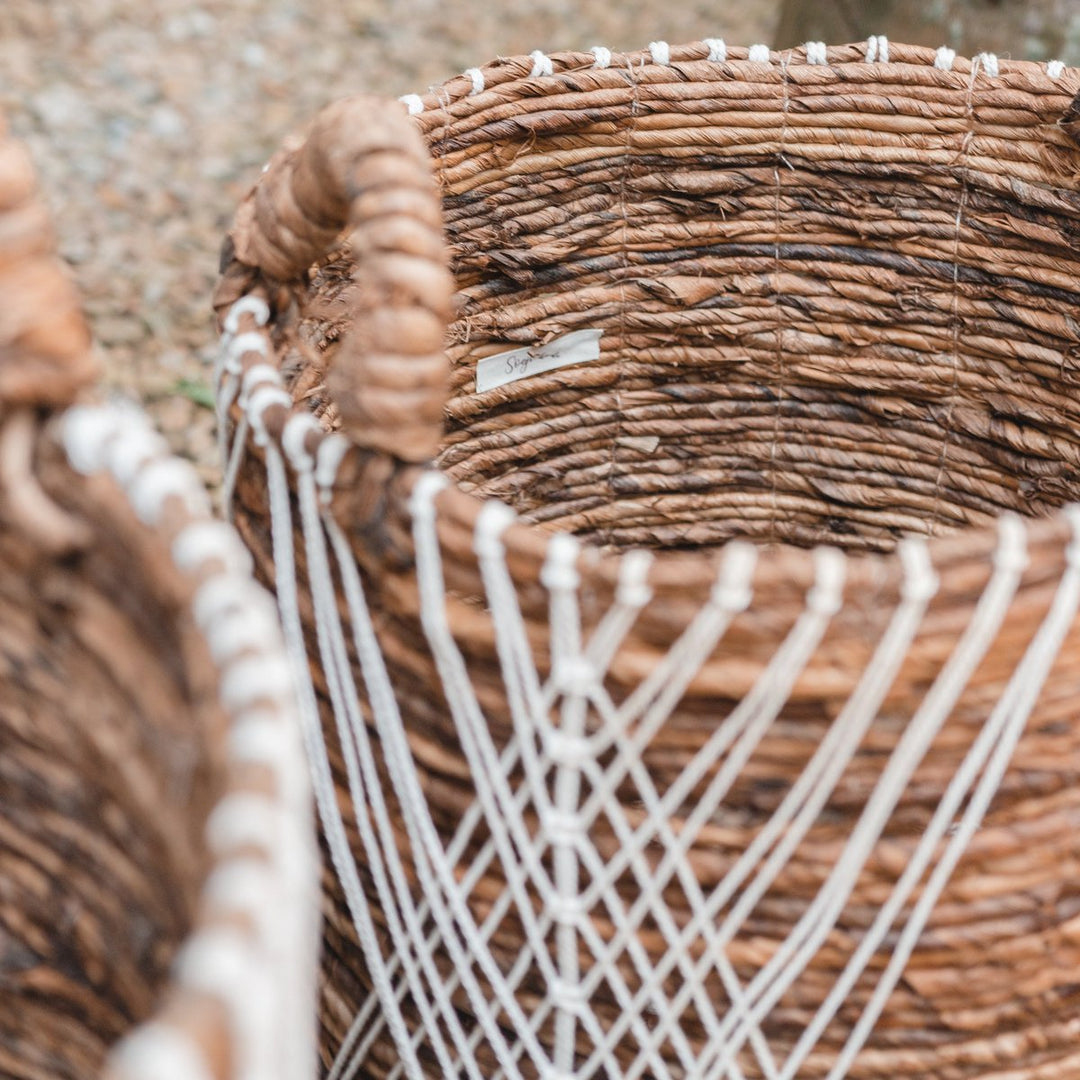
575 676
242 886
328 458
759 54
989 64
541 64
160 1051
161 480
256 376
567 751
732 592
944 57
262 399
259 738
560 567
492 521
254 679
920 581
717 49
255 306
86 432
240 346
563 829
815 52
297 428
422 500
477 78
204 540
241 630
830 570
603 56
219 595
568 996
660 52
1055 69
216 961
133 448
1011 553
877 49
414 103
633 589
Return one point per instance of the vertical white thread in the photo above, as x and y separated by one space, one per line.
802 804
747 723
730 595
989 64
530 712
815 52
322 779
759 54
476 76
937 705
560 577
816 783
490 784
1055 69
1005 726
383 858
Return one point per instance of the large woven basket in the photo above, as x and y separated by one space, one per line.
686 595
157 856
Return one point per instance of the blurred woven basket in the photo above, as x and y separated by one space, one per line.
619 793
157 864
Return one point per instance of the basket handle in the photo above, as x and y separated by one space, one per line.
364 166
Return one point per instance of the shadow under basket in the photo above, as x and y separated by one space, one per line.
157 872
679 552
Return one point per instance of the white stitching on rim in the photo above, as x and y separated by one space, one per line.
542 64
944 57
717 49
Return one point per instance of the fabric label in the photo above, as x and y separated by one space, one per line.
577 347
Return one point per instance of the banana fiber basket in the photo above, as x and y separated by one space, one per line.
158 868
663 461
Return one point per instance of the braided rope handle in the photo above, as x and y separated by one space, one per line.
363 166
45 356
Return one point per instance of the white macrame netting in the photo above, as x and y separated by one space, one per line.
456 998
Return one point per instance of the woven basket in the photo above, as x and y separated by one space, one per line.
743 743
157 865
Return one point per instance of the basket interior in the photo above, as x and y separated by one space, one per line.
814 328
110 761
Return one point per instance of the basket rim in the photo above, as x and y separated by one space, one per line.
675 572
258 837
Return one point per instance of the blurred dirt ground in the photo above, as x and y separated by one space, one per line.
148 120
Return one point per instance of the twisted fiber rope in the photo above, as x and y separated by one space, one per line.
671 855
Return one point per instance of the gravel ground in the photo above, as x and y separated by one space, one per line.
148 120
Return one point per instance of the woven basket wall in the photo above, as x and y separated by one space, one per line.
156 870
826 302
